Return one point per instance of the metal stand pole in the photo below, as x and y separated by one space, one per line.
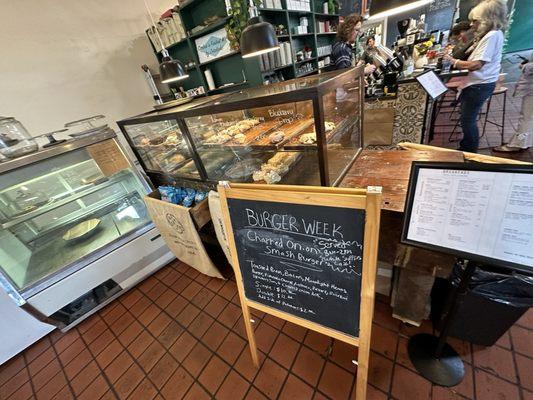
432 357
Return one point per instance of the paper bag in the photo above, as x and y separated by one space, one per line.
218 222
179 233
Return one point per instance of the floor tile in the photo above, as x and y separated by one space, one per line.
213 374
490 387
127 383
380 371
215 335
181 347
407 385
295 388
495 360
265 336
525 371
196 392
151 356
284 350
231 348
197 359
177 385
308 365
270 378
144 391
335 382
522 342
162 370
233 387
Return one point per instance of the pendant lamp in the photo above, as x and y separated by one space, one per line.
386 8
170 70
259 37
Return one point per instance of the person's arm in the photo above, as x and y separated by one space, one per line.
469 65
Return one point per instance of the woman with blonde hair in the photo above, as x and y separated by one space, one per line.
488 20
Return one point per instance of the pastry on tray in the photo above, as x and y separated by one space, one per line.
308 138
239 138
329 126
276 137
275 167
172 140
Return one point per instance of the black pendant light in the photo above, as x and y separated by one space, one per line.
259 37
170 70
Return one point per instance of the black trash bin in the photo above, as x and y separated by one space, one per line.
495 300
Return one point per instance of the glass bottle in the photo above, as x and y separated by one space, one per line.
15 141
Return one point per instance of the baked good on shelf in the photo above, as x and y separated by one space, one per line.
172 140
276 137
145 141
175 159
308 138
219 138
329 126
239 138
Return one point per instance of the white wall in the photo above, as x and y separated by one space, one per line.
62 60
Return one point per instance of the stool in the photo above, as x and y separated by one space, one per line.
498 91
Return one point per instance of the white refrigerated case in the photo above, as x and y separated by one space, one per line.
74 234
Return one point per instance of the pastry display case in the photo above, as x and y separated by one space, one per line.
64 206
303 131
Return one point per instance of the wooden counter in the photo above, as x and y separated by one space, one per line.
390 169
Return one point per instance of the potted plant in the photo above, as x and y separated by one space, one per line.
237 20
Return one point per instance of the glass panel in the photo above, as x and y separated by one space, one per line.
162 147
61 209
342 118
260 144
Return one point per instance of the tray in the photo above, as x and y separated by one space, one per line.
291 130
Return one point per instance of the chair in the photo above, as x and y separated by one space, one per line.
498 91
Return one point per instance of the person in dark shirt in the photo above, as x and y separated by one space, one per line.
462 36
342 51
370 51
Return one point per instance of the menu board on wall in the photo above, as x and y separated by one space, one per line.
479 212
301 259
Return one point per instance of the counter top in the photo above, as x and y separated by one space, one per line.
391 169
443 76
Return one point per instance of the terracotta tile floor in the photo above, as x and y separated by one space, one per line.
179 334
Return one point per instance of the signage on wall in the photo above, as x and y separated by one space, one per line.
213 45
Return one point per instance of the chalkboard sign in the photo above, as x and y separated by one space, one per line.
440 15
306 255
301 259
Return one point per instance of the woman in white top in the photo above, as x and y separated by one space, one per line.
488 19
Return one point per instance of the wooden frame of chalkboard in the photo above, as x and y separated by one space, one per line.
306 255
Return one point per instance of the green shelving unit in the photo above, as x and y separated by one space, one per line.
313 39
232 68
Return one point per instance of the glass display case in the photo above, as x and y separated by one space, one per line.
63 206
304 131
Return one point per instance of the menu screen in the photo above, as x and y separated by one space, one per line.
482 213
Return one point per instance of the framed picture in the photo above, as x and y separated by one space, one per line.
213 45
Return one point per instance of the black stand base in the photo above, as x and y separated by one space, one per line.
448 370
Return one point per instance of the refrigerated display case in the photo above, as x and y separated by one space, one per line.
68 216
304 131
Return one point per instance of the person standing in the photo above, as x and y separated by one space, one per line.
370 51
488 19
342 50
523 138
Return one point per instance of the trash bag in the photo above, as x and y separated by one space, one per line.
509 288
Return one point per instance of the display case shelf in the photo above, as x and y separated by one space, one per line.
210 28
44 209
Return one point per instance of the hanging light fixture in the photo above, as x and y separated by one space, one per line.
259 37
386 8
170 70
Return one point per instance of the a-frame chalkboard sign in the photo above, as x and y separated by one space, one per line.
308 256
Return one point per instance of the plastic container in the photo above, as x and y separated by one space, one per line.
15 141
87 126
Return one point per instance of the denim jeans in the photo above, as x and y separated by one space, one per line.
472 99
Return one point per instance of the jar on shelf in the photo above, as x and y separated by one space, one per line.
15 141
